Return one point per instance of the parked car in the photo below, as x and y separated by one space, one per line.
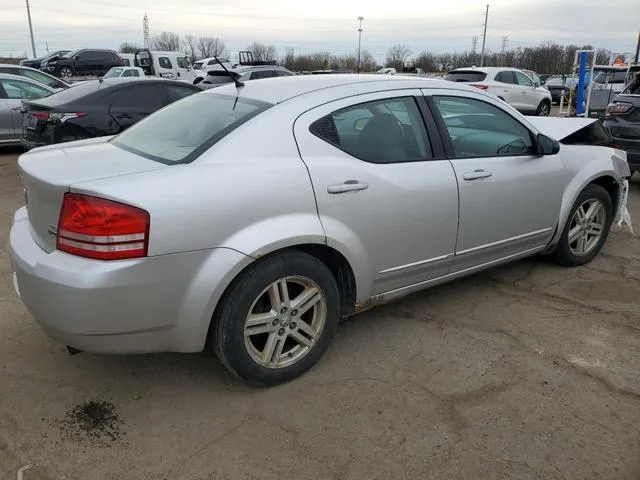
37 62
610 78
115 72
33 74
254 229
13 90
174 65
202 66
534 76
83 62
622 120
509 84
96 108
217 77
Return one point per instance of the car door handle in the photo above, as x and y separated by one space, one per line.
348 186
476 175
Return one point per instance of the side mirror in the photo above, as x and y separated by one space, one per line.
536 84
546 145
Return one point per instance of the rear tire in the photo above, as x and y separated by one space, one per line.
544 109
277 318
586 230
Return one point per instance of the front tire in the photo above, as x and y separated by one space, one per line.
587 228
544 109
65 72
277 318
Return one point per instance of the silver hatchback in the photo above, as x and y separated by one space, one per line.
288 204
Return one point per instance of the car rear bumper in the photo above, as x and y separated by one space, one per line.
155 304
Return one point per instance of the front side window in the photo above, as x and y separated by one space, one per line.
523 79
165 62
171 136
479 129
382 131
19 90
182 62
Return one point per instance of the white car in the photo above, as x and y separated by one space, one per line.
201 67
510 84
124 72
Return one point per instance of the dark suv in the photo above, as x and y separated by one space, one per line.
622 120
81 63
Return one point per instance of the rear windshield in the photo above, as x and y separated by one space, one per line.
182 131
218 78
611 77
70 94
465 76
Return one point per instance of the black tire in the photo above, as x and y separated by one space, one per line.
66 72
544 109
562 253
229 320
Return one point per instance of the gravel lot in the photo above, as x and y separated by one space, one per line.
530 371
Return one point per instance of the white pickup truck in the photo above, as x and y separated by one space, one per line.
115 72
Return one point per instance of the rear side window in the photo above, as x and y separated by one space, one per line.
383 131
465 76
131 73
146 97
262 74
165 62
177 92
506 77
171 136
217 78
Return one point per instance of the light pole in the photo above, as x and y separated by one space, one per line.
360 19
33 44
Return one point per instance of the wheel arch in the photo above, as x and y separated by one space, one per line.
606 180
334 260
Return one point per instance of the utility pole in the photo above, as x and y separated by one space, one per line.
637 49
47 44
360 19
145 32
484 35
503 48
33 43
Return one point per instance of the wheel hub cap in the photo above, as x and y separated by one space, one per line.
586 227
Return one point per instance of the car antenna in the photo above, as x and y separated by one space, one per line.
235 80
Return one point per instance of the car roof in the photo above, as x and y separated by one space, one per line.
280 89
486 69
251 68
8 76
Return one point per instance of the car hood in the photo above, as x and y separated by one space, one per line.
559 128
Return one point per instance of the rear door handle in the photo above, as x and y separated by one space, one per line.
476 175
348 186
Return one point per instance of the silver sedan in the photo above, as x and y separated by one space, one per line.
13 90
248 220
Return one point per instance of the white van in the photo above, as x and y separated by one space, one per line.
173 65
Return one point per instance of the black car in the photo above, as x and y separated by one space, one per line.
622 120
96 108
37 62
82 63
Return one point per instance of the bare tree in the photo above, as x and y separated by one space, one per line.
396 56
166 42
189 45
210 47
262 51
126 47
603 56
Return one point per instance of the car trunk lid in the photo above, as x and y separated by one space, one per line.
48 172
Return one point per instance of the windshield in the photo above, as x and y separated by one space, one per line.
70 54
171 135
114 72
554 81
465 76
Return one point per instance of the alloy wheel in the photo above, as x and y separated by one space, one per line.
544 109
285 322
66 73
587 227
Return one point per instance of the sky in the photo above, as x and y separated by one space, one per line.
436 26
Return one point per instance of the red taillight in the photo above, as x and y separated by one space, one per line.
618 108
481 86
97 228
41 115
